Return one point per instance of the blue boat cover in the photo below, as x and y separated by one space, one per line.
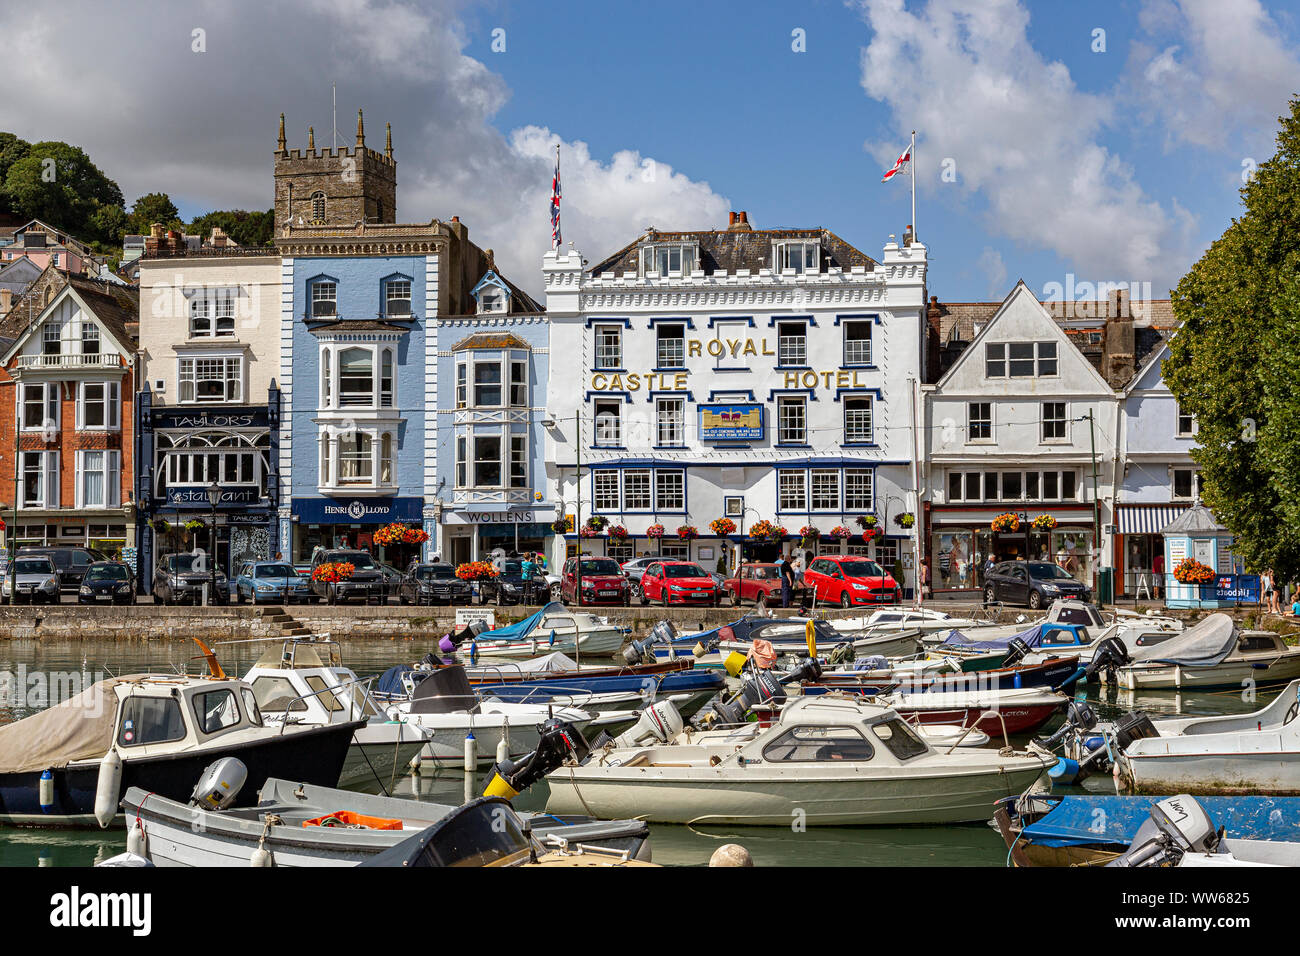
1080 820
520 630
390 682
1033 637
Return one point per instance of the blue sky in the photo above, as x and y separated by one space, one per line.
1112 166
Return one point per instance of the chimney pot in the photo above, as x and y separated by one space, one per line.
731 218
744 217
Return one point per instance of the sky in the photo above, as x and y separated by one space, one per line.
1064 144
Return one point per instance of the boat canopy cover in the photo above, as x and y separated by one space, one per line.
546 664
1204 644
1033 637
390 682
444 691
1076 821
521 629
80 728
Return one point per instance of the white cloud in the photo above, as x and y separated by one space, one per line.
1022 136
995 272
156 116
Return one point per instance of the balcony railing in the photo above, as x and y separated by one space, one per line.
60 360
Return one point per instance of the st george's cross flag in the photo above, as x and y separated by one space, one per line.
897 168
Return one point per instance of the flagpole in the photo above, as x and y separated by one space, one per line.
914 238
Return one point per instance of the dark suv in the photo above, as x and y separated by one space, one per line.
181 578
1033 583
69 563
367 581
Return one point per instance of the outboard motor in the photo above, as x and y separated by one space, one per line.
470 631
220 784
764 687
558 740
1016 651
1079 718
1178 825
658 724
640 652
1109 657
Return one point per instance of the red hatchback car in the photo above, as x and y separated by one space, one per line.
678 582
603 582
847 580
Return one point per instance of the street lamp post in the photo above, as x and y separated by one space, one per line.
214 498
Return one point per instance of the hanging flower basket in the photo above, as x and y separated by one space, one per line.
399 533
617 532
587 531
332 572
476 571
1005 524
871 534
1044 523
597 523
906 519
868 521
687 531
723 526
767 531
194 524
655 531
841 532
809 535
562 525
161 525
1191 571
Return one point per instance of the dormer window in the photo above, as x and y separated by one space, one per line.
324 299
800 256
665 259
491 299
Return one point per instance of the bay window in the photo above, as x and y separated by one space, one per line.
357 376
487 460
355 458
519 383
487 384
518 461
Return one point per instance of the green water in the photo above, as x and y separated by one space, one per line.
964 845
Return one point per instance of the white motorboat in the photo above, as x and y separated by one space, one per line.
920 619
826 762
443 705
1247 753
1212 653
553 628
302 681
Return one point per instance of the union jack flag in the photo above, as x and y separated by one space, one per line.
555 202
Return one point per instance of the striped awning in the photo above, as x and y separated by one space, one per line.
1147 519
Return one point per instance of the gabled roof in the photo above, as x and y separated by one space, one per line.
1197 519
728 250
1020 293
18 274
115 307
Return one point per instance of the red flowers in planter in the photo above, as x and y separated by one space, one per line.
332 572
476 571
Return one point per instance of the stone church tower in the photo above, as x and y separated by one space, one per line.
337 188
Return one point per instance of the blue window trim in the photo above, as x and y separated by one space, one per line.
612 320
627 396
799 317
713 395
857 316
725 370
714 319
383 298
830 464
665 369
772 393
608 371
308 285
653 466
684 320
671 393
878 394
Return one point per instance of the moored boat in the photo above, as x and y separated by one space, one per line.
553 628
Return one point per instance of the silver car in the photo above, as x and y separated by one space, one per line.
35 580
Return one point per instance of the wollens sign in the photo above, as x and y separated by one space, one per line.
731 422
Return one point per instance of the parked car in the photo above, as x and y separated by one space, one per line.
271 582
35 578
109 581
603 582
69 562
678 582
635 568
1034 584
433 583
181 578
508 586
759 584
367 581
847 580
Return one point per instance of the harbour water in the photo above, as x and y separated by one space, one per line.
968 845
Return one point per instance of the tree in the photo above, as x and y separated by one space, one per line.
244 227
151 208
109 224
12 149
1233 363
59 184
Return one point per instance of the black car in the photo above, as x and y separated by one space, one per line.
508 586
69 562
1032 583
433 584
181 578
109 581
367 579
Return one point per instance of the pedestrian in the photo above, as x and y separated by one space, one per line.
279 555
988 565
527 568
787 581
925 577
1158 574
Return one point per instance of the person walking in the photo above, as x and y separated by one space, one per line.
787 581
1158 574
925 577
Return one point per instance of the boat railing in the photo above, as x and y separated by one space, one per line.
329 689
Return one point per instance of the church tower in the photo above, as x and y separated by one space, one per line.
335 187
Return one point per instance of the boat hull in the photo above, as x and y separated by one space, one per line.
1228 674
314 755
602 641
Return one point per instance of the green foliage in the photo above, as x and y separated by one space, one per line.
246 228
58 184
12 149
151 208
1233 363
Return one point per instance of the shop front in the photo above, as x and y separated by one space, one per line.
963 543
1139 548
473 533
349 523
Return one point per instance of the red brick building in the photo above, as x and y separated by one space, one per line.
67 391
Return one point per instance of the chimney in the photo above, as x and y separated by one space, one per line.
731 219
6 301
933 340
740 223
907 236
1118 355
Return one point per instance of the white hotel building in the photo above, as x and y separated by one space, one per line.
752 374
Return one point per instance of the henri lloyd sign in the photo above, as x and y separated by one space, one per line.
357 510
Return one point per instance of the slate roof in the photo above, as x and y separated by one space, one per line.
728 250
116 306
358 325
1197 519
